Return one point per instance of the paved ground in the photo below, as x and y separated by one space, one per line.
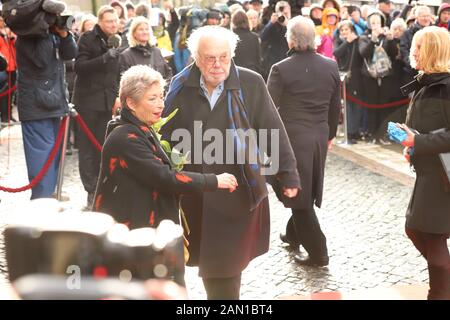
362 217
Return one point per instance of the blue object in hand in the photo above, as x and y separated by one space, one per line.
395 133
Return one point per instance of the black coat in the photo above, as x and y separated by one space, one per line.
96 84
225 234
274 43
387 89
349 59
137 185
429 208
41 83
248 51
405 47
306 89
149 56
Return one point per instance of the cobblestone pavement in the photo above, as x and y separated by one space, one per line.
362 217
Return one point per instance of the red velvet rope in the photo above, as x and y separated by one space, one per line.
47 164
377 106
88 132
10 90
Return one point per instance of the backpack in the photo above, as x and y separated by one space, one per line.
25 17
380 66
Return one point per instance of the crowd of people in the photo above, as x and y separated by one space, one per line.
242 66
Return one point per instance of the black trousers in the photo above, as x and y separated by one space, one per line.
434 249
89 157
303 228
223 288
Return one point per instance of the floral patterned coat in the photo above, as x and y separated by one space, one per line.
137 185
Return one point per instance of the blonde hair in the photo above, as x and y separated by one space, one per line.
136 81
434 51
134 25
86 18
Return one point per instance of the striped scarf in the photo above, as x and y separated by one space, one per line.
238 123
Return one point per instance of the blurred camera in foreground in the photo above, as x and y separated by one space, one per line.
76 246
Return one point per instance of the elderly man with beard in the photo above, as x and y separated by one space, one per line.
227 230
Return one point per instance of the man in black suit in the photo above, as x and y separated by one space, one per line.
95 92
306 89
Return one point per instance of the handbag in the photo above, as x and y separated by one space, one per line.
380 65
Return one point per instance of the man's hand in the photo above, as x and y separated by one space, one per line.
111 54
330 144
274 18
115 107
290 192
61 32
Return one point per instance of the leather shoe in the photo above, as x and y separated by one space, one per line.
308 261
285 239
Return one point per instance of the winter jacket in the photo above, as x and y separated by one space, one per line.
144 55
96 84
41 84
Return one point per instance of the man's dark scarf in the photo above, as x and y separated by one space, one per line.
238 119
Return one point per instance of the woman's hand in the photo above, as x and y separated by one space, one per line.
406 154
227 181
351 37
409 141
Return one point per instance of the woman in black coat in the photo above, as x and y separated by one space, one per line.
141 51
377 90
138 184
428 214
306 89
248 50
346 51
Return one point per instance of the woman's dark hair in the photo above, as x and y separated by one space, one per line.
240 20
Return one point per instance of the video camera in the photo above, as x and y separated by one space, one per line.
91 244
281 18
64 22
34 18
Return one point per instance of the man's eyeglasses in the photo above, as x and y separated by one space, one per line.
212 59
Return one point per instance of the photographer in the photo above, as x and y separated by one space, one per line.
273 36
96 87
42 99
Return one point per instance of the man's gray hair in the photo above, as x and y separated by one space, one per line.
214 32
136 80
301 31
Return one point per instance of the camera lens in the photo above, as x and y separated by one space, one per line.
281 19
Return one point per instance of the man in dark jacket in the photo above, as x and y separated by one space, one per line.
42 100
227 229
306 89
423 19
95 93
273 37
